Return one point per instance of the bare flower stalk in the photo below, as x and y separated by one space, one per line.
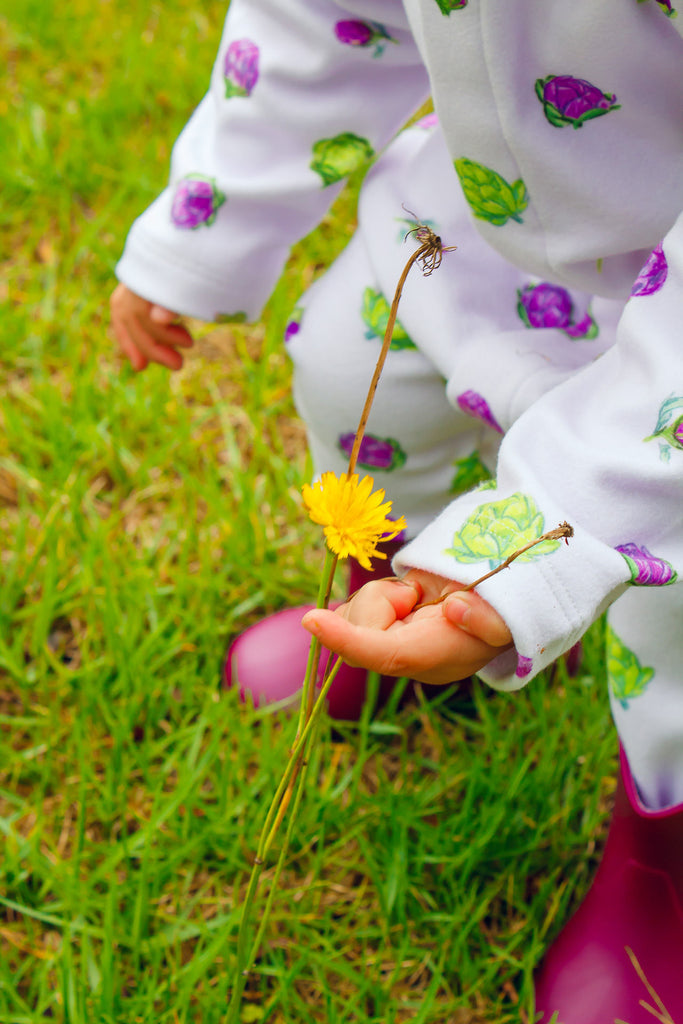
563 531
429 255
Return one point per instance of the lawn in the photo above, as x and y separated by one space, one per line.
144 520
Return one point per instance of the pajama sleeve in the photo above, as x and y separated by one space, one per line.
602 450
303 93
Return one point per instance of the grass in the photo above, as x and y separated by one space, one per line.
143 522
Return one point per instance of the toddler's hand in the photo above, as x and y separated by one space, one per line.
145 332
440 643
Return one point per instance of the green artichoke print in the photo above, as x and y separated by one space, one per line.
496 530
335 158
491 197
375 315
446 6
626 677
469 472
669 427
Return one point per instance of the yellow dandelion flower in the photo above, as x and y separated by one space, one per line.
354 519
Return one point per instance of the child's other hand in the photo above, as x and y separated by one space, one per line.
146 333
440 643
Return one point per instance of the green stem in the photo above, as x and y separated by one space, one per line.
297 760
315 718
324 590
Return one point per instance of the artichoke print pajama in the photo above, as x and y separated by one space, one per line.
537 376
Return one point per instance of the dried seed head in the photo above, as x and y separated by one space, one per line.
433 249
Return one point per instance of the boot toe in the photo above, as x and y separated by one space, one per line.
267 662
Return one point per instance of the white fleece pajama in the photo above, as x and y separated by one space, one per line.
537 376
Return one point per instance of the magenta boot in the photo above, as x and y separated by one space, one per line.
268 660
636 901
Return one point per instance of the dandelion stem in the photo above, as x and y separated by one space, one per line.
324 591
296 760
298 781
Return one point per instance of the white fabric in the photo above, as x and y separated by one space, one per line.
646 692
564 130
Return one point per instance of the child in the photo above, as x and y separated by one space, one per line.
537 375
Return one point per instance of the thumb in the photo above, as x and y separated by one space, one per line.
475 616
377 605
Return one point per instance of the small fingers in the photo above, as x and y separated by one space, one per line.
373 649
380 603
147 332
164 325
427 648
137 360
475 616
155 350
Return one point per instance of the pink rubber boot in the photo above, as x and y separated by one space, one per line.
636 901
268 661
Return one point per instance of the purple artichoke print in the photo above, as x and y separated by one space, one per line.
646 569
653 275
196 202
363 34
353 33
240 68
294 324
572 101
665 6
524 666
476 405
548 305
375 452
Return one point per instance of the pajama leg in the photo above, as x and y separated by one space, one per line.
645 674
634 908
417 446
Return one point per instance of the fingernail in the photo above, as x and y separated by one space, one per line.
310 623
408 583
458 611
413 584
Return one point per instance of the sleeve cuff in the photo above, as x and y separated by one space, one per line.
187 280
548 597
